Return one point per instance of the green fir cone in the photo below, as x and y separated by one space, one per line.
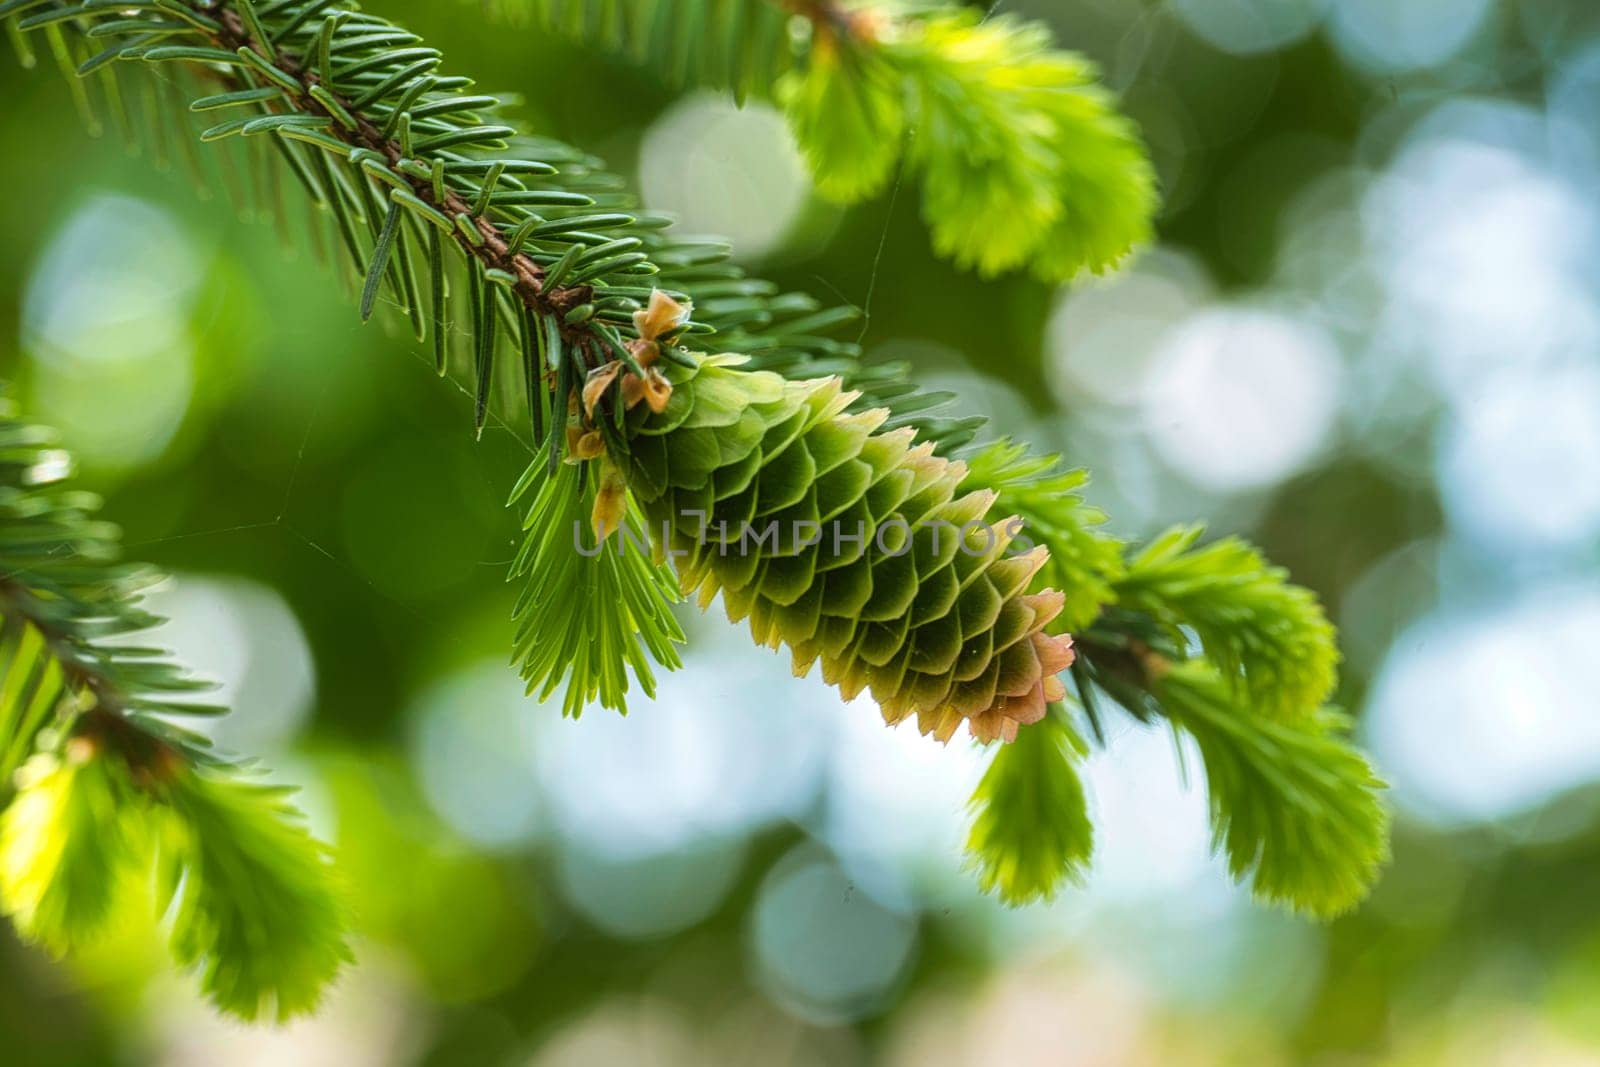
848 544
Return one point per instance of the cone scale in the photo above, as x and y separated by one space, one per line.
849 545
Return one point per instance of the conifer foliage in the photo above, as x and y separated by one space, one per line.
1023 157
101 789
659 382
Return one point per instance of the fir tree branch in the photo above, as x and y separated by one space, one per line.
587 594
1030 828
101 774
1269 638
364 120
1024 158
310 93
1293 806
558 288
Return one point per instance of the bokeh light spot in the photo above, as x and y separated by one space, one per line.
1387 37
1240 399
1520 466
1486 254
472 746
1103 333
1247 26
650 896
822 948
697 763
1481 713
106 319
725 170
246 638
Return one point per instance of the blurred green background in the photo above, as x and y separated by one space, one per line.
1367 339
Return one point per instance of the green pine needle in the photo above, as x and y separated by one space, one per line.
1030 831
32 688
1270 638
848 112
1024 159
1295 807
66 851
255 913
583 618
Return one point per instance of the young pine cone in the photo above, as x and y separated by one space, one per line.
848 545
